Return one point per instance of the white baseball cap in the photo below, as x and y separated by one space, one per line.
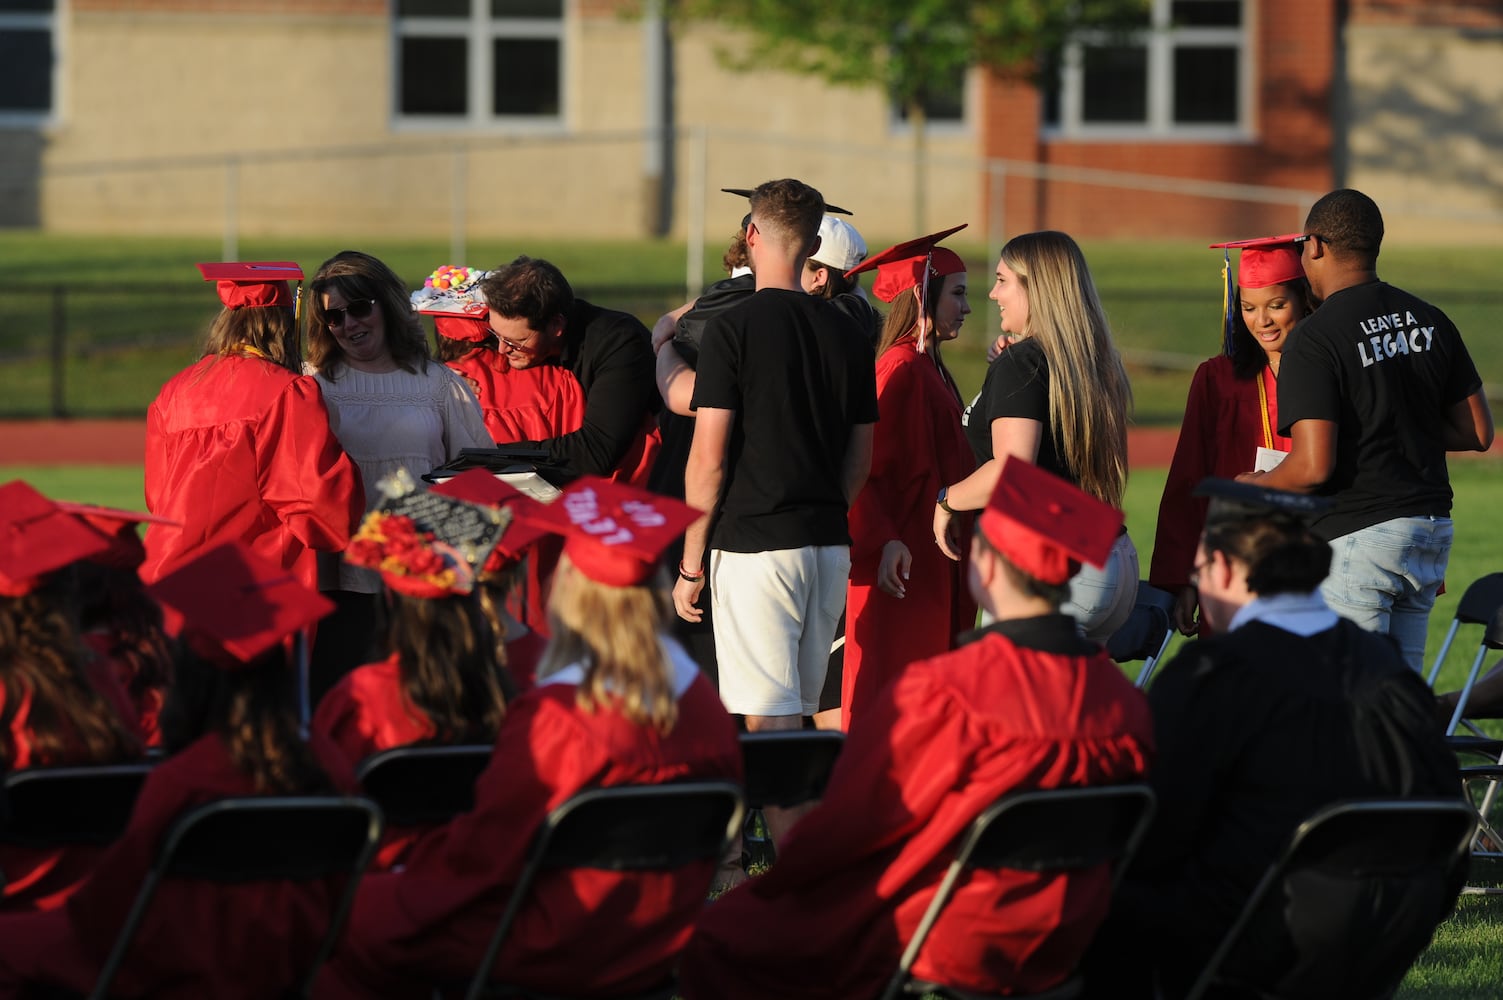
840 246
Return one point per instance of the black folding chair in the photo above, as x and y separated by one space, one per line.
623 828
1367 882
1485 865
1479 605
65 806
1049 830
783 769
1146 633
261 839
423 786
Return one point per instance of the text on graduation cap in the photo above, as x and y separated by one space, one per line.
583 508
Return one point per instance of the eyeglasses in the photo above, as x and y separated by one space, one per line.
1304 238
1195 572
359 309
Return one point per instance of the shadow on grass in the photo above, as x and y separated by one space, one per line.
1463 961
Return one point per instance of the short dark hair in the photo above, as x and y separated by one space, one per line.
1056 594
529 288
1349 221
1281 553
789 209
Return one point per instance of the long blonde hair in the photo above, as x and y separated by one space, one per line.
1089 395
613 633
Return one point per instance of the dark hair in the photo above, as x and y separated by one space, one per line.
1054 593
836 283
1280 552
448 349
113 601
68 721
1350 222
789 210
1248 356
453 670
530 289
359 276
253 709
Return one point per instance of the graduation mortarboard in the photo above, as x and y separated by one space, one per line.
1267 260
38 537
254 283
125 549
1042 523
451 295
480 486
748 192
230 605
901 267
614 534
1231 500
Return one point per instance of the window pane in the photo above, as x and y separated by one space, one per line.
25 71
527 8
1205 13
1205 85
526 81
433 8
27 6
1115 85
434 76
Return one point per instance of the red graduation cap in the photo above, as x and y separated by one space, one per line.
125 550
38 537
613 533
480 486
253 283
230 605
1267 260
451 295
1041 523
901 267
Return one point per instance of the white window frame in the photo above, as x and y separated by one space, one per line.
479 31
1161 40
32 21
898 125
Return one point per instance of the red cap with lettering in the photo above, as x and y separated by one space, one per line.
613 533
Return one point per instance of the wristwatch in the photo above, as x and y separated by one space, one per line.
944 491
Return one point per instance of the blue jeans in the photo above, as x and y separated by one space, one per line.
1384 578
1101 600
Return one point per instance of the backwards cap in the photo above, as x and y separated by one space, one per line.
613 533
903 266
37 537
231 606
840 245
1044 525
254 283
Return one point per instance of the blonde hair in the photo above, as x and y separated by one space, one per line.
1089 395
271 330
614 634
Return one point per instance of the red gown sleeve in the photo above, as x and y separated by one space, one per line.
898 450
1181 516
306 477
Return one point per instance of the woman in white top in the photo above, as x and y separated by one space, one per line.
392 407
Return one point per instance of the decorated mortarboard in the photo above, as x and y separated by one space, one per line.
125 549
748 192
480 486
37 537
230 605
1233 500
901 267
1043 524
425 544
614 534
254 283
451 295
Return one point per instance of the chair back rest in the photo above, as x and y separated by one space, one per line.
788 768
1142 635
63 806
641 827
423 786
1480 601
1059 829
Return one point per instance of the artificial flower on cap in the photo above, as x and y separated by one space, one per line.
1264 262
451 295
37 537
901 267
125 549
254 283
480 486
230 606
613 533
1046 526
840 245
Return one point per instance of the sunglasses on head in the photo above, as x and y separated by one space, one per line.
359 309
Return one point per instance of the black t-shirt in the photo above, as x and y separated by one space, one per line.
1016 385
799 374
1385 367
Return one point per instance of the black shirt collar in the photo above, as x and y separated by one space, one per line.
1056 633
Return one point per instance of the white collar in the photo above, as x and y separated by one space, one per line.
684 668
1303 614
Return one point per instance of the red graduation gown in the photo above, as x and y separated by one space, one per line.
367 712
1220 436
934 749
919 446
431 922
527 404
227 942
239 449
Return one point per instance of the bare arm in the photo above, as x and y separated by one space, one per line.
1469 424
1018 436
703 478
674 376
1311 460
